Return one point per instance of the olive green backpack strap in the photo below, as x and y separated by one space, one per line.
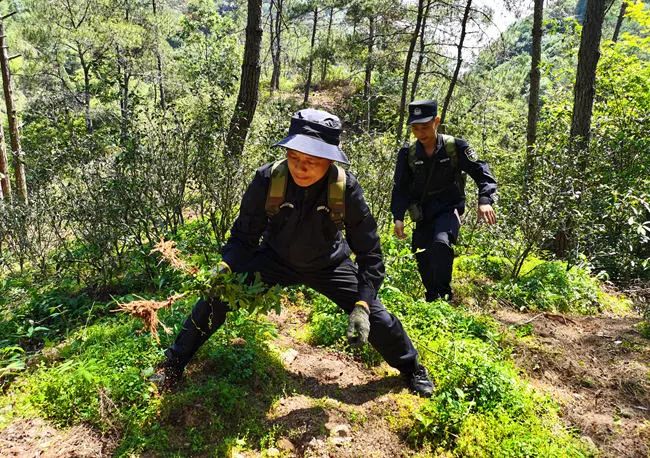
411 156
336 195
450 148
277 188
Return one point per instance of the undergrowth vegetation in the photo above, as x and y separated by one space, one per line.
68 357
481 406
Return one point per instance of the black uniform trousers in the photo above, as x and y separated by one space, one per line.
338 283
432 243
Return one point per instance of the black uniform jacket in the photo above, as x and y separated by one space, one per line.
443 180
304 237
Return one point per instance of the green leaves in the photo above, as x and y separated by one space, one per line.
237 290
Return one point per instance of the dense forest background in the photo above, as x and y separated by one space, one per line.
126 117
127 122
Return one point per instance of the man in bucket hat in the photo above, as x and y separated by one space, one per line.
299 208
429 183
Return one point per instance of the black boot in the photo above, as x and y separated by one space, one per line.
418 381
167 377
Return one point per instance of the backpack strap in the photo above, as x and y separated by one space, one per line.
450 149
277 188
411 156
336 195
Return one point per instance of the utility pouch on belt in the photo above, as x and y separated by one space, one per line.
415 212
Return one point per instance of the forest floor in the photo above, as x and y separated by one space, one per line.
597 368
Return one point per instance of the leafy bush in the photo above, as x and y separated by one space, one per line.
543 285
476 384
550 286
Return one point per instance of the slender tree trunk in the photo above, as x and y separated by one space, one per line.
85 67
249 82
14 130
311 57
418 67
583 101
533 97
619 21
159 62
459 62
369 61
277 65
5 182
407 69
325 59
272 45
124 79
585 86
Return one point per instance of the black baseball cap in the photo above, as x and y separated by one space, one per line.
421 111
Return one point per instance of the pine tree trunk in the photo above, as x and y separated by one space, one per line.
407 69
619 21
533 97
14 130
124 82
418 67
369 62
272 46
325 60
249 82
311 57
159 63
5 182
276 44
85 67
459 62
585 86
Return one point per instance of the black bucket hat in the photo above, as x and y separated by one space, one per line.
421 111
317 133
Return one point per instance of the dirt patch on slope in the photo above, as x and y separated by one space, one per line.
36 438
598 368
336 411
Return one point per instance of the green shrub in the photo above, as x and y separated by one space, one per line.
550 286
497 434
542 285
101 380
477 387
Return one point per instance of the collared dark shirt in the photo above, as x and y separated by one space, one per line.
443 180
304 237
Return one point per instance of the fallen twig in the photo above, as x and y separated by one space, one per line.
562 318
530 320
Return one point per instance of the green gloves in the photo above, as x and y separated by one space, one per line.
358 323
216 277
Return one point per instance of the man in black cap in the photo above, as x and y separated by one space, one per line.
429 182
299 207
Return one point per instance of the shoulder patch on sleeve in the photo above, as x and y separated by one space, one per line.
471 154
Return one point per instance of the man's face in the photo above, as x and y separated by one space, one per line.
305 169
426 131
